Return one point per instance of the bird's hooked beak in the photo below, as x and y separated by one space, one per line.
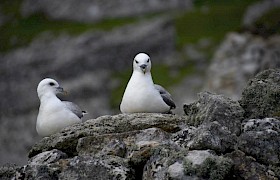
143 68
61 90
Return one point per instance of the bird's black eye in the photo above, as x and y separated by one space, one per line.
136 62
148 60
51 84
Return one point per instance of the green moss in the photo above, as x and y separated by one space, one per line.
276 170
210 19
10 8
220 169
22 31
189 169
217 168
268 24
199 3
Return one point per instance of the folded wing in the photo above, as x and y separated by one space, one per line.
74 108
165 96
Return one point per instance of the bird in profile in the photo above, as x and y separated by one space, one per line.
141 94
55 114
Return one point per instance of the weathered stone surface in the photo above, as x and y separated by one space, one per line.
246 167
208 136
91 11
97 168
91 168
261 96
239 58
132 145
158 167
206 165
8 171
47 157
67 139
211 107
154 146
260 138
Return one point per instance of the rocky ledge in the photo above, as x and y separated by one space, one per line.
218 138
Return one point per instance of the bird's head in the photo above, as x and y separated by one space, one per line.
142 63
49 86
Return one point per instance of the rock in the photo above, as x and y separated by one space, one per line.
82 64
206 165
207 136
91 168
176 171
47 157
161 163
246 167
97 168
8 171
154 146
133 145
67 139
239 58
92 11
211 107
261 96
260 139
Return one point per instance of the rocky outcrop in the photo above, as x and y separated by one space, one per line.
91 11
211 107
161 146
239 58
261 96
260 139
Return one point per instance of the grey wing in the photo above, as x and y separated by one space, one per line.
74 108
165 96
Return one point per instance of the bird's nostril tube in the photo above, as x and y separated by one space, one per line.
143 66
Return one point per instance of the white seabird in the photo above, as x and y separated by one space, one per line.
141 94
54 114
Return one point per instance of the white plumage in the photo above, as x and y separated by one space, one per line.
54 114
141 94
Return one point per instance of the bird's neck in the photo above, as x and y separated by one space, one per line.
140 78
47 97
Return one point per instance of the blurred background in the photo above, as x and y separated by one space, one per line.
88 47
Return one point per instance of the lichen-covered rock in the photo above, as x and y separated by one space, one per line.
260 138
161 164
211 107
154 146
206 165
246 167
261 97
8 171
207 136
79 167
135 146
47 157
108 167
67 139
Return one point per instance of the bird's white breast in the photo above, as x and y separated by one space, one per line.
53 116
141 96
